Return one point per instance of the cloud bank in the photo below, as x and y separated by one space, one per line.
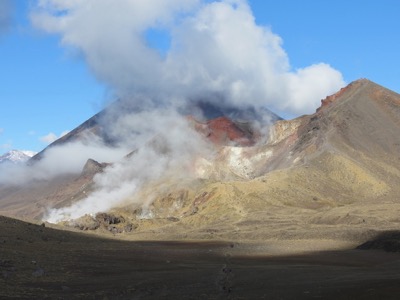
214 48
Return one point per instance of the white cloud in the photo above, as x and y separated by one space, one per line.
217 53
169 154
216 48
166 147
51 137
67 159
65 132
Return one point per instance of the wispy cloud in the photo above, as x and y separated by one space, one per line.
51 137
68 159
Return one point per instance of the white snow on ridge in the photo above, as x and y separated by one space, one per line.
16 156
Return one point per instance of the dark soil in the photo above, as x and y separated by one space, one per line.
44 263
388 241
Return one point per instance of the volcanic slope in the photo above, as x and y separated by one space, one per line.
329 176
98 126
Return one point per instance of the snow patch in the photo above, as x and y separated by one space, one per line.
16 156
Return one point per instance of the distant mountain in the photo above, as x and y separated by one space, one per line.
16 156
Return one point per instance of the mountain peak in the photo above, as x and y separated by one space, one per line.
332 168
16 156
334 97
362 87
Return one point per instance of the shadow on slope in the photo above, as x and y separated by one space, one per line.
388 241
38 262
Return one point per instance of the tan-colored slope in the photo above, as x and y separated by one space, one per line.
32 201
364 118
331 175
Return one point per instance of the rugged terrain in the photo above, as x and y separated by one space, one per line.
333 174
43 263
319 183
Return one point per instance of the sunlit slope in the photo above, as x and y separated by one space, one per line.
333 174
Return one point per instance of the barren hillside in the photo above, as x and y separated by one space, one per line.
331 175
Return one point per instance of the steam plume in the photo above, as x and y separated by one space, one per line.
169 154
215 51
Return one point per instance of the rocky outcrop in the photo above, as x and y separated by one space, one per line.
332 98
282 130
104 221
92 167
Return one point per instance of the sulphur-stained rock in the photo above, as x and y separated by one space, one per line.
104 221
283 129
84 223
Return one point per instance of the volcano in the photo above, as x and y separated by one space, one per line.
221 123
297 197
333 174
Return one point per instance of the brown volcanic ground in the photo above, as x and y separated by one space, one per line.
42 263
331 175
274 220
223 131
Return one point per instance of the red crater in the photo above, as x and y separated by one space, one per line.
224 131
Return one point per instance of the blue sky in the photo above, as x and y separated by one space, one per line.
47 89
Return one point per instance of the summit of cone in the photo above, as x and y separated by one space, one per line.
220 123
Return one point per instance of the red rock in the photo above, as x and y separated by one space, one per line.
224 131
332 98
